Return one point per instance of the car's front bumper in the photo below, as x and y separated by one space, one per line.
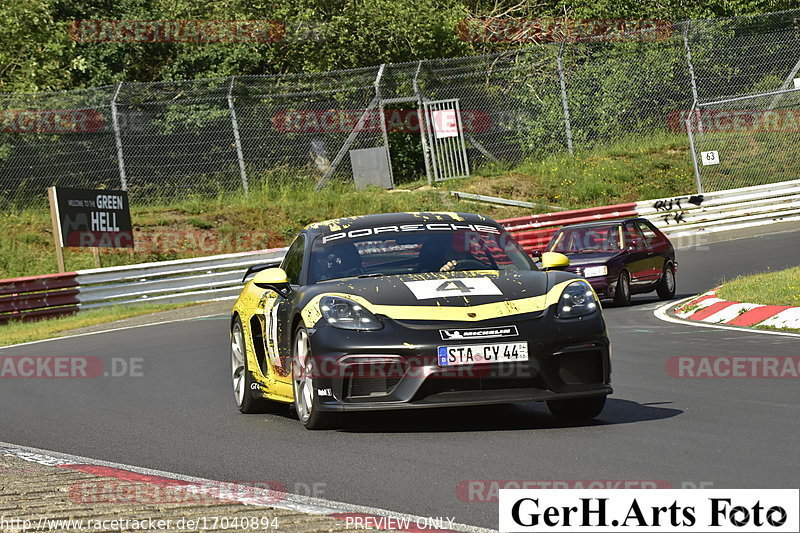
567 359
603 285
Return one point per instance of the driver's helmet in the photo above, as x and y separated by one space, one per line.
338 261
438 249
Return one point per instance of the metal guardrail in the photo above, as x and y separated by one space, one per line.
680 216
177 281
219 277
38 296
724 210
183 280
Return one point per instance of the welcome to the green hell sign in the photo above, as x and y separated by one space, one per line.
90 218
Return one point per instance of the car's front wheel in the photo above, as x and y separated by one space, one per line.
243 383
622 293
576 409
666 287
306 397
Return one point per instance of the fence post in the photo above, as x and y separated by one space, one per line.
421 122
382 118
692 78
565 105
786 84
123 178
698 179
236 138
353 134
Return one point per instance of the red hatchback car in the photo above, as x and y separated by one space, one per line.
619 258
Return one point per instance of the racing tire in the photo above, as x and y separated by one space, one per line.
666 286
242 378
622 294
577 409
306 399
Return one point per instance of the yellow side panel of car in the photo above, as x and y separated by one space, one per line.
255 301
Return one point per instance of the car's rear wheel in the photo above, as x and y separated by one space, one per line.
243 382
306 399
576 409
666 287
622 294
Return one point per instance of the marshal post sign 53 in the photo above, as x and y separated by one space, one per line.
89 218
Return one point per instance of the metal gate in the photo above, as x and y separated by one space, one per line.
445 136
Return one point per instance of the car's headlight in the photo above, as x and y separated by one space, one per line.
576 300
346 314
593 272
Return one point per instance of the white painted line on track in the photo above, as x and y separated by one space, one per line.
293 502
662 314
111 330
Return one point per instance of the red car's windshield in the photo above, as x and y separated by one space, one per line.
586 240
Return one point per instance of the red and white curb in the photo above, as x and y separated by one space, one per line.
710 309
247 495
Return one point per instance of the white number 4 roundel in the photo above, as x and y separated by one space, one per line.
445 288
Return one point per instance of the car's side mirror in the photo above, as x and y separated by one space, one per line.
274 279
554 260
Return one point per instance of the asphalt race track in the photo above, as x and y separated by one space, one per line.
179 416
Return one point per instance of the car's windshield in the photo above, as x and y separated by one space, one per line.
411 252
592 239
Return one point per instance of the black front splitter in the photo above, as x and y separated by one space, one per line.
467 398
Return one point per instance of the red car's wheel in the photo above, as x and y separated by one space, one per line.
666 287
622 294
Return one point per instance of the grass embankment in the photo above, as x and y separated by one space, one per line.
17 332
270 216
769 288
639 169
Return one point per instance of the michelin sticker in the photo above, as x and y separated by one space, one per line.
478 333
445 288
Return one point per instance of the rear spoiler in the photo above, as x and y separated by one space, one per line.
258 268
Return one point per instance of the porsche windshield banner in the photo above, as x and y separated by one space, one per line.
405 228
650 510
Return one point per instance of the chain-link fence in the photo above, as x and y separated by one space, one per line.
745 125
204 137
746 140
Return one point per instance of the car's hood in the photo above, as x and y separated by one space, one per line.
595 258
460 288
450 296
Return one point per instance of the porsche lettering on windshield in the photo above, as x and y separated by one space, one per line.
401 228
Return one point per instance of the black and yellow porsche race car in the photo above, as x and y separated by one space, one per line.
414 310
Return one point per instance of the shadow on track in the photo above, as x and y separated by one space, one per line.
644 299
530 416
